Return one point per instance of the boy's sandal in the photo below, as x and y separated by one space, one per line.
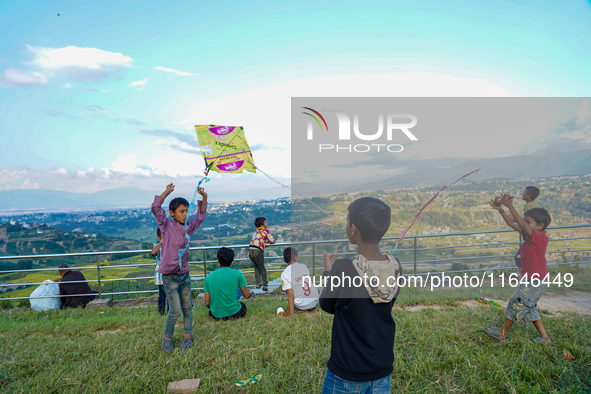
167 345
494 332
540 340
258 286
187 343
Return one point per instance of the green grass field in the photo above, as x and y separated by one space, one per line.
441 349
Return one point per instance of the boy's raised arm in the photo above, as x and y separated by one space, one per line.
157 210
508 202
506 217
194 223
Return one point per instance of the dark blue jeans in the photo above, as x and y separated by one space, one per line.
161 300
334 384
178 293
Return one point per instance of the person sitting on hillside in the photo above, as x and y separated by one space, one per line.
73 282
302 295
220 289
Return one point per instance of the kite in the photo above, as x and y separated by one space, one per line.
417 216
225 149
486 300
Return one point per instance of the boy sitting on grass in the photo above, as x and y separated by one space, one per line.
363 330
523 303
302 295
220 289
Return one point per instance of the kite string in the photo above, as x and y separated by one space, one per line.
192 203
279 183
403 233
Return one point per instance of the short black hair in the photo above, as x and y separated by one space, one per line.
372 218
540 215
289 254
158 232
225 256
177 202
533 192
258 222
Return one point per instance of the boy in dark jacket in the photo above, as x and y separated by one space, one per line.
361 292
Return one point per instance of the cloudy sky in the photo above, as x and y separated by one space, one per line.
99 95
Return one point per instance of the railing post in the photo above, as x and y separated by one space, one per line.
313 260
98 274
415 255
204 264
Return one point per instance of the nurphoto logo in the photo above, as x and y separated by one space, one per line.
389 126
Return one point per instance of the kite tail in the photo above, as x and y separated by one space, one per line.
191 205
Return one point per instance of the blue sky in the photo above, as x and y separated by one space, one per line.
105 94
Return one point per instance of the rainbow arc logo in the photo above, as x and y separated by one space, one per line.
315 118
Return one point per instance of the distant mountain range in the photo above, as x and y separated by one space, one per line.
508 168
125 197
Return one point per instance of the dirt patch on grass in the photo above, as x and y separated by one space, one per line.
107 332
573 301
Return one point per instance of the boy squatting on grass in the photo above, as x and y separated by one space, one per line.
523 303
363 330
220 289
175 279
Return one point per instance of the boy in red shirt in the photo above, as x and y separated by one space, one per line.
523 303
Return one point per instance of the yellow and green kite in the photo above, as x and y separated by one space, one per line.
225 149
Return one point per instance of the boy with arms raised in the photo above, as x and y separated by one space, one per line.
363 329
302 295
523 303
175 276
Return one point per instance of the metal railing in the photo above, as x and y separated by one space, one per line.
413 258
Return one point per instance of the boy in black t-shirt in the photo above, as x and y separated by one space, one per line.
361 292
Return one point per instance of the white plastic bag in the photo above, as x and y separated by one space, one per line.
47 288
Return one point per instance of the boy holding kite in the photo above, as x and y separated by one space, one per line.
176 234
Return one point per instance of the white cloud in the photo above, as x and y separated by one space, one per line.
177 72
62 171
80 63
25 78
67 86
27 184
140 85
125 163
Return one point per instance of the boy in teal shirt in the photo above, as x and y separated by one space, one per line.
220 289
